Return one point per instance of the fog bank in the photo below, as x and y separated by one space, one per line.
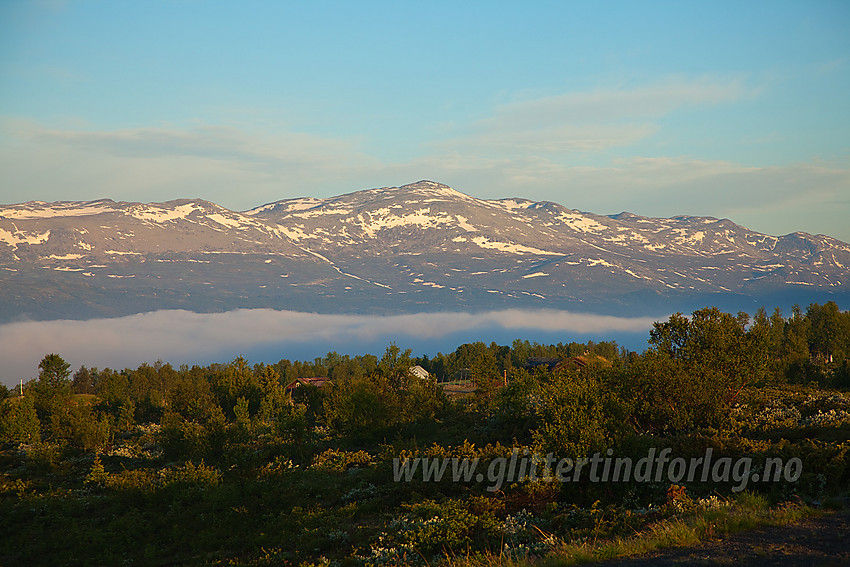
267 335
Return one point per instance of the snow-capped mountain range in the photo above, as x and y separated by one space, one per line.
420 247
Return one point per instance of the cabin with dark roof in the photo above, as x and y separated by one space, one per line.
317 382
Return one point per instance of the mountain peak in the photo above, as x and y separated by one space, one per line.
432 188
393 249
426 185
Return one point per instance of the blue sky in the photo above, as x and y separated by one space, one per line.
728 109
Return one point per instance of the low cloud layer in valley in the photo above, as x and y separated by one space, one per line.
266 335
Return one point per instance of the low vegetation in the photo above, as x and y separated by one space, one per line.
227 465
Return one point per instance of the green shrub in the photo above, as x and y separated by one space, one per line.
578 414
338 460
19 421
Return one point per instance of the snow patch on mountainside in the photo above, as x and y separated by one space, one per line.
37 210
318 212
18 237
581 223
510 204
162 214
462 222
510 247
221 219
372 223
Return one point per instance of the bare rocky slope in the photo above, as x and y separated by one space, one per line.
420 247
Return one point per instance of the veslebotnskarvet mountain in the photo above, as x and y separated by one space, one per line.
420 247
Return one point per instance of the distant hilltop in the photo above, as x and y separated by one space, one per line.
419 247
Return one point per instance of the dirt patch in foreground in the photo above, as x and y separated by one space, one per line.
814 542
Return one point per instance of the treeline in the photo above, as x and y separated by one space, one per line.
691 375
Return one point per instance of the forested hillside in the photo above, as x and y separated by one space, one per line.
241 464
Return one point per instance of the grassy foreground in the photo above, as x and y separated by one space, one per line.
746 512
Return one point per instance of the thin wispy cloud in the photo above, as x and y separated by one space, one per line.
592 120
215 142
529 102
233 167
642 101
185 337
129 165
527 148
552 139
